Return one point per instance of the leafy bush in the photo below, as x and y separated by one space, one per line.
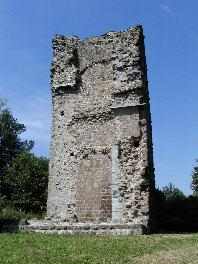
26 183
175 212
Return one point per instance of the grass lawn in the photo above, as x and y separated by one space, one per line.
56 249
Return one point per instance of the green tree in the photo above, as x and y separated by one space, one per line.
172 193
11 144
26 180
194 184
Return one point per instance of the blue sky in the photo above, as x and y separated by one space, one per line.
171 30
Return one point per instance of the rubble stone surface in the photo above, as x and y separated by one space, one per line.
101 167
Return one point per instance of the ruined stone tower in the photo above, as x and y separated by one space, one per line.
101 167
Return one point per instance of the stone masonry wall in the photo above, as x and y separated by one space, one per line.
101 167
